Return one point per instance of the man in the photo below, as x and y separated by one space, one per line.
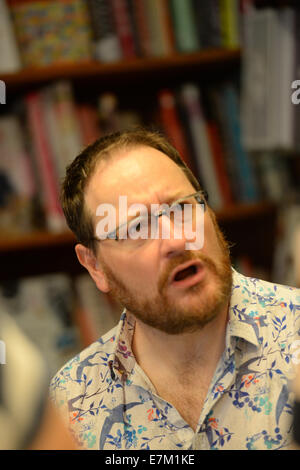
201 358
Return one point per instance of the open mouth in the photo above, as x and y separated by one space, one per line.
187 274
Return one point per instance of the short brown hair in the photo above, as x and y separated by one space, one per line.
79 172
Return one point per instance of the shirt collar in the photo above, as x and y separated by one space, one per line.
245 321
246 316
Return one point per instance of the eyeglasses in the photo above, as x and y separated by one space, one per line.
143 227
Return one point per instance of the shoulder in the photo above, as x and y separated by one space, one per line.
71 379
265 290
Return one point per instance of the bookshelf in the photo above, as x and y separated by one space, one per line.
207 60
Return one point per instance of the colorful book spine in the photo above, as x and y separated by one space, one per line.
142 24
184 25
243 163
219 161
44 162
50 32
160 27
89 123
10 57
192 101
172 126
123 28
229 10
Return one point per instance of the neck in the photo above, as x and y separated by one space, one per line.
174 354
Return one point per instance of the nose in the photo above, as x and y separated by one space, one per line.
173 241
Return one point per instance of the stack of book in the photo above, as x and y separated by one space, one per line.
42 32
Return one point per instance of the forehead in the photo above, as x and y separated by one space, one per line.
142 174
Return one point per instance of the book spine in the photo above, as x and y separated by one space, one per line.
67 123
15 160
140 12
50 32
229 10
89 123
242 160
10 57
184 25
287 67
172 126
191 98
134 27
208 22
123 28
219 162
107 46
160 32
44 162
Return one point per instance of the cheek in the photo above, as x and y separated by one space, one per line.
212 241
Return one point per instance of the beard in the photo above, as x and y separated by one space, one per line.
194 310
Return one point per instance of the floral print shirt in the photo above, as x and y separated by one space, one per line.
111 404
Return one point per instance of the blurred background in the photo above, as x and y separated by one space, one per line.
218 77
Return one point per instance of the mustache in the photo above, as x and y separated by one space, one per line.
180 259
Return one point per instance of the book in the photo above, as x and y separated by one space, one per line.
171 124
65 138
208 22
229 15
17 179
269 68
273 175
50 32
162 41
133 18
296 77
88 120
44 162
15 160
191 99
124 28
215 98
219 161
242 159
184 25
109 116
106 44
142 25
286 57
9 51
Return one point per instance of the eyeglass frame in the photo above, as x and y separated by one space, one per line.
162 212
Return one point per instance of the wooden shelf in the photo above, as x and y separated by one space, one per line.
141 66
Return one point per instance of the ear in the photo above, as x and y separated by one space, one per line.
87 258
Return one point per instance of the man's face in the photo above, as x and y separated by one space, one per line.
142 278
